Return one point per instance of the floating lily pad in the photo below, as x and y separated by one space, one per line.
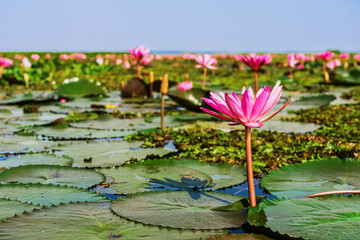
8 128
35 96
181 209
346 77
8 208
190 99
309 102
69 133
336 217
34 159
177 120
37 119
19 144
107 153
241 236
90 221
77 177
80 88
47 195
222 175
136 178
312 177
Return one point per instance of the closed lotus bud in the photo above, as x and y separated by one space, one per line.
151 77
122 85
164 84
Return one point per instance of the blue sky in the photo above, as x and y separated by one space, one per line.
186 25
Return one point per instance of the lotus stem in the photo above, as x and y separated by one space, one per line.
326 74
151 80
138 70
256 80
333 192
249 168
291 73
204 78
162 111
1 72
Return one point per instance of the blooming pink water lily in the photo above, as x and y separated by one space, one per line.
206 61
35 57
327 55
26 63
48 56
344 56
147 59
357 57
292 60
140 52
5 62
63 57
332 64
189 56
118 61
187 85
78 56
255 61
100 60
247 109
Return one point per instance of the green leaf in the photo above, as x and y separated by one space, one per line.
8 208
80 88
90 221
309 102
61 175
312 177
34 159
190 99
180 209
336 217
20 144
47 195
241 236
107 153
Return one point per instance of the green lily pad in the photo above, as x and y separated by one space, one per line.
36 96
336 217
107 153
177 120
180 209
20 144
80 88
346 77
34 159
309 102
69 133
241 236
47 195
61 175
90 221
190 99
134 178
9 208
312 177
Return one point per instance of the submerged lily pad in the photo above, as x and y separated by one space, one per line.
8 208
61 175
107 153
336 217
190 99
47 195
312 177
80 88
34 159
181 209
90 221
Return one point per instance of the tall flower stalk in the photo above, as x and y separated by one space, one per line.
325 56
163 90
205 61
247 109
256 62
4 62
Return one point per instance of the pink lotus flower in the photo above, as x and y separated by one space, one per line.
100 60
127 64
300 66
344 56
118 61
158 57
146 60
48 56
35 57
189 56
247 109
332 64
26 62
77 56
357 57
206 61
183 86
292 61
255 61
140 52
63 57
5 62
327 55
